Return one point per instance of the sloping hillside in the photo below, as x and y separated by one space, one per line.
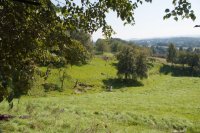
160 104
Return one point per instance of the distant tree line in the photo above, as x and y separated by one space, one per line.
113 45
158 51
185 58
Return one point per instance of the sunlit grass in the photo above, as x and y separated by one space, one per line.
163 104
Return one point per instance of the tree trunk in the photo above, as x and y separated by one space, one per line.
126 76
62 80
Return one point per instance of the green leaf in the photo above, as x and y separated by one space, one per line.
176 18
167 10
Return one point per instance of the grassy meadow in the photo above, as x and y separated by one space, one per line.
160 104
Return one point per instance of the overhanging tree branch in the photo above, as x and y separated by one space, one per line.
35 2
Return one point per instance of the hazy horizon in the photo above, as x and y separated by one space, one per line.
184 36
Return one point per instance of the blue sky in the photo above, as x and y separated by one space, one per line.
150 23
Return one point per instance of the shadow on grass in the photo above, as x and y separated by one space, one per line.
114 64
120 83
51 87
177 71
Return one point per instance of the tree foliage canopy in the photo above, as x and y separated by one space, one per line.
190 58
90 16
102 45
22 27
132 63
172 53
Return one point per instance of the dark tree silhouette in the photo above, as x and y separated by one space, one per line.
30 2
196 26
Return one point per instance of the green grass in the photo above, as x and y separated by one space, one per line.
162 105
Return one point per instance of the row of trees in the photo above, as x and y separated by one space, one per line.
113 45
184 57
161 51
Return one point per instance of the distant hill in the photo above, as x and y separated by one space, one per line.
178 41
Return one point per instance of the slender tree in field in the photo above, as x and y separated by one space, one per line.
172 54
141 66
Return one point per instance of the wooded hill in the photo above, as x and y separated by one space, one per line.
178 41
